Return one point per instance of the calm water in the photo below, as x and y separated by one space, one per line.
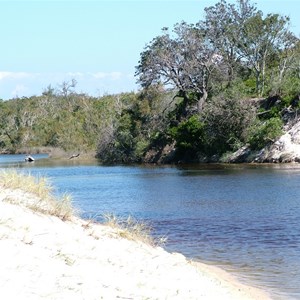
243 218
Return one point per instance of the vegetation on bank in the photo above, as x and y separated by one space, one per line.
207 89
41 197
132 229
37 195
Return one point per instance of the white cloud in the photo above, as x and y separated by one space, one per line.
76 74
111 75
14 75
115 75
99 75
26 84
24 75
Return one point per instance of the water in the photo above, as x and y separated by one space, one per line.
242 218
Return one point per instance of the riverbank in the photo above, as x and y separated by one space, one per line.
43 256
284 149
53 153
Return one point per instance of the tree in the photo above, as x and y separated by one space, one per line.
184 62
261 38
285 73
245 38
67 87
222 25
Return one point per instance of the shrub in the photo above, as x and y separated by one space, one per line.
189 135
291 89
265 133
140 149
227 121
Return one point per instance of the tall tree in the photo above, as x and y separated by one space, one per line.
289 57
223 25
184 62
261 38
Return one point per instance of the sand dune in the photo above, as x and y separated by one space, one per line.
43 257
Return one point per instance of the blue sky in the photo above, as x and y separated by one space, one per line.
96 42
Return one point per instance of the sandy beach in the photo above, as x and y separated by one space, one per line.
44 257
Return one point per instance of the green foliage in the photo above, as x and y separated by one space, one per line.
140 148
194 78
290 89
249 86
189 135
132 132
227 120
264 133
274 112
71 123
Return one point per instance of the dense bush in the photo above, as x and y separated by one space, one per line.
135 129
227 121
290 90
265 132
50 121
189 136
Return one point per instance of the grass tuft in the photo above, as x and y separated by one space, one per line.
39 198
41 191
132 229
38 186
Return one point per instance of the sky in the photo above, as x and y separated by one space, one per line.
96 42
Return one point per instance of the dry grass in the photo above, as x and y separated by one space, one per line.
37 194
40 196
39 186
133 229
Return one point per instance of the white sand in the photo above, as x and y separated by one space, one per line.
43 257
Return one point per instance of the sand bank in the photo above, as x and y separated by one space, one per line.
43 257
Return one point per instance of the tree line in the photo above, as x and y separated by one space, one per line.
207 89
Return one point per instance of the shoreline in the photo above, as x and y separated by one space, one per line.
45 257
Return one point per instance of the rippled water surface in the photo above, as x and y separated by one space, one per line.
244 218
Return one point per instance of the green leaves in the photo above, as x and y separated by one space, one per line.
189 136
265 132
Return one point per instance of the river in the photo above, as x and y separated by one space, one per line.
242 218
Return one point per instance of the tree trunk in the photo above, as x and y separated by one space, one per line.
263 75
257 79
202 100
